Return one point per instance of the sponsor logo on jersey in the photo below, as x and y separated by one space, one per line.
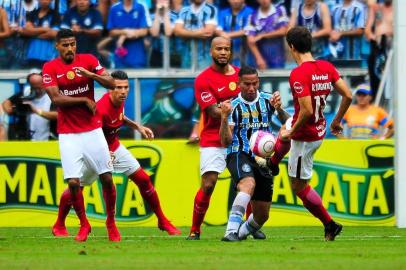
221 88
77 91
70 75
232 86
206 96
59 75
46 78
246 168
298 87
316 77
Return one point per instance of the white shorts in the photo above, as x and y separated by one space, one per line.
85 149
123 162
212 159
301 158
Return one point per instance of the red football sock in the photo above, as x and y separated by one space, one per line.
148 193
281 149
248 211
109 195
65 205
201 205
312 201
79 206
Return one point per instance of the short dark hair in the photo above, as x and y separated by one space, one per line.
247 70
119 75
64 33
300 38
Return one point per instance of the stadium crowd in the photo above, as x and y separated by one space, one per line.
138 33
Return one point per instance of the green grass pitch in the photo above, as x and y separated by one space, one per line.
363 248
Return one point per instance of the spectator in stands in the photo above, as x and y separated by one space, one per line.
3 133
128 23
31 112
231 24
379 31
348 21
364 120
196 23
86 22
163 23
41 26
266 29
315 16
4 33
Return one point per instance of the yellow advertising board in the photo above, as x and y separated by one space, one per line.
354 178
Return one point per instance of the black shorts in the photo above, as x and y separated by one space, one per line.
242 165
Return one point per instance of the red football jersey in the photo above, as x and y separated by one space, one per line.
73 119
112 118
315 79
212 87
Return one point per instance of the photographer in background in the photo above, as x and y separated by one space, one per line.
30 113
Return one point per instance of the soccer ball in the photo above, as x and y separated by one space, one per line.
262 143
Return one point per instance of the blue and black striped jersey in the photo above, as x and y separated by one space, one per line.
248 117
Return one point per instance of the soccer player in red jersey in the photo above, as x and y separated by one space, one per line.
69 82
311 83
111 109
215 84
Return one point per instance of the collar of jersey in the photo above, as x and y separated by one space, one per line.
249 102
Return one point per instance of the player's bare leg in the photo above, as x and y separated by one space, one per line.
109 195
281 148
260 214
148 193
65 204
313 203
201 203
79 206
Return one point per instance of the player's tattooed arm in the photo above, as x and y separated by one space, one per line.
282 115
214 111
226 130
66 101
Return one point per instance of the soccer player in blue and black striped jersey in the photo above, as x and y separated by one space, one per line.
250 111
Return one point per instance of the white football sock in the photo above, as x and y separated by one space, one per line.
237 212
249 227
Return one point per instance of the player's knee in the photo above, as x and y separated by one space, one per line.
106 179
208 187
298 185
74 184
247 185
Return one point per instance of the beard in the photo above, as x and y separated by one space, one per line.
221 64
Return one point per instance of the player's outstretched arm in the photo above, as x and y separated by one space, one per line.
104 79
66 101
346 100
145 132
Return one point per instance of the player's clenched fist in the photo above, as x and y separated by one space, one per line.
276 100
